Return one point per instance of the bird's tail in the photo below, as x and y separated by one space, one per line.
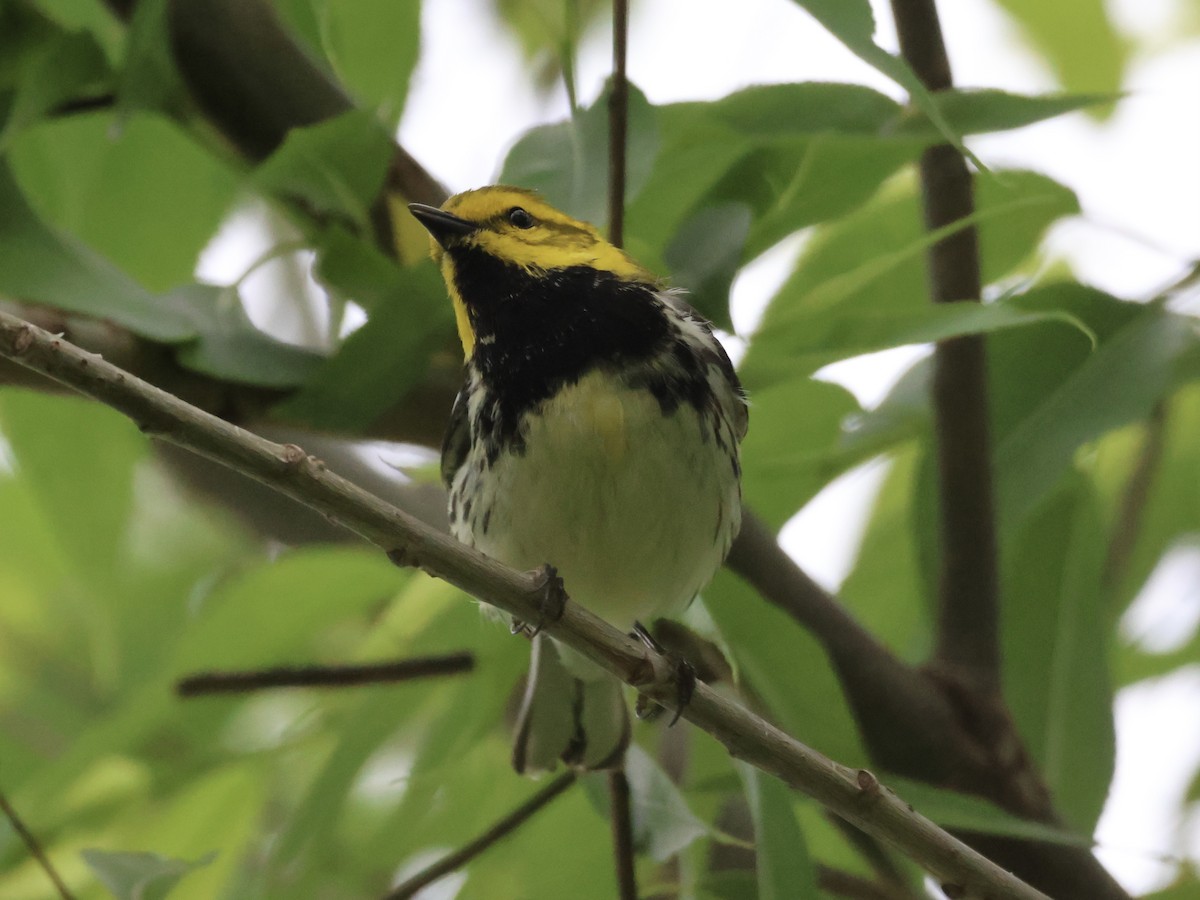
582 721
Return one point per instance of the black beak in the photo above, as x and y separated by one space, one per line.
442 225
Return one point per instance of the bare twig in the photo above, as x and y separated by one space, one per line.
241 682
467 852
618 125
621 817
620 810
34 847
967 634
855 795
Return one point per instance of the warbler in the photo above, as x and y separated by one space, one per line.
597 430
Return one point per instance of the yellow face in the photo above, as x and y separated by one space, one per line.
517 227
553 241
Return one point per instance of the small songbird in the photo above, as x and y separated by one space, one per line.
597 431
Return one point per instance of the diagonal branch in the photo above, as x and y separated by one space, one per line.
853 794
469 851
967 636
35 848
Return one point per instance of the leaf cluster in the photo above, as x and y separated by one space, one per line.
115 580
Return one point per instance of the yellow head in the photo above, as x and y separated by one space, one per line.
516 228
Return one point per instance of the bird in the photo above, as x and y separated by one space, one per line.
596 436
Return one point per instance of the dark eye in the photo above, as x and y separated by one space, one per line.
520 218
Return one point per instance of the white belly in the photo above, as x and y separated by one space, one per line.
634 508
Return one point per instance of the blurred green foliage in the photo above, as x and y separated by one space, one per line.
115 580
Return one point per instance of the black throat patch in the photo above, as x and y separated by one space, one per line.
536 333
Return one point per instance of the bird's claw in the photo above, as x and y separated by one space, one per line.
551 602
685 678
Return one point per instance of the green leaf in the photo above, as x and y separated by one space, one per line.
966 812
1078 39
902 415
783 664
832 176
119 184
1055 629
706 254
781 854
149 79
1171 511
855 333
334 168
80 15
691 141
231 348
44 266
64 67
834 295
779 111
263 616
853 23
140 876
1120 382
218 808
796 154
519 867
427 617
375 366
568 161
89 515
372 46
663 823
979 111
793 447
887 590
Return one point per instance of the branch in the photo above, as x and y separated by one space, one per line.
618 125
203 683
908 725
621 817
620 811
967 635
417 418
914 725
34 848
466 853
855 795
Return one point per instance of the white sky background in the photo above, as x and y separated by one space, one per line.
1137 175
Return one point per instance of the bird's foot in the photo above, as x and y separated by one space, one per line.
685 678
551 601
